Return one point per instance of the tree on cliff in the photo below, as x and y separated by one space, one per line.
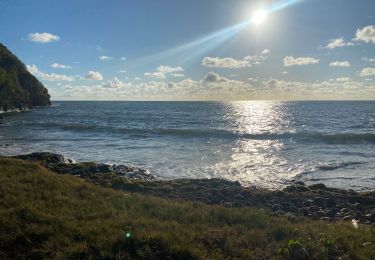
19 89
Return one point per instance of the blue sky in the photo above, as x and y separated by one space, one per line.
196 49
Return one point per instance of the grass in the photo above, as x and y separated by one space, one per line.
45 215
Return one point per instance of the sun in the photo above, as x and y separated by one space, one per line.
259 16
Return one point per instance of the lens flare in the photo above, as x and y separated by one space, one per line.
259 16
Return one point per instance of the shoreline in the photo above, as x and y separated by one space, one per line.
294 201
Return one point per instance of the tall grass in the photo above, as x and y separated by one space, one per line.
45 215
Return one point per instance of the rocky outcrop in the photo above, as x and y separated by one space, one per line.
294 202
87 170
19 89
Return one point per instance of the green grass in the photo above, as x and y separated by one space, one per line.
45 215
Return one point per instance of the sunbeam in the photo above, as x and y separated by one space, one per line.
209 42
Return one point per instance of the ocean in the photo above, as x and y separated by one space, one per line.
265 143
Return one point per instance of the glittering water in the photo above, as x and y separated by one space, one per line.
263 143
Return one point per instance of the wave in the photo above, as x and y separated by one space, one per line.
335 165
337 138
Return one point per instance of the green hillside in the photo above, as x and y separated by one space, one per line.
18 88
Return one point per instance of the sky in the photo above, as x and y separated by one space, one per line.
195 49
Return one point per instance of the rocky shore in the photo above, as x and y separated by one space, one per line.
295 201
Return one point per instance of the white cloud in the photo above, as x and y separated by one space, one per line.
284 72
344 64
42 37
212 77
300 61
94 75
339 42
158 75
161 72
60 66
366 72
370 60
178 75
123 58
114 83
232 63
366 34
344 79
216 87
33 69
169 69
104 58
122 71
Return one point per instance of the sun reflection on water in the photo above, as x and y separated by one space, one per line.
258 159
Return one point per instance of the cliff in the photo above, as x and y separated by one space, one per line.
19 89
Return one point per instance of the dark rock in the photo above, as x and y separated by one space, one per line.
320 201
318 186
350 213
295 188
300 183
280 213
45 157
238 196
275 207
371 217
358 206
19 88
330 203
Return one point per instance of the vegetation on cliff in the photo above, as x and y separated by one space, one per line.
19 89
48 215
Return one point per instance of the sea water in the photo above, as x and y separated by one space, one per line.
263 143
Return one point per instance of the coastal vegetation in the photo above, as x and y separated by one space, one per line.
19 89
49 215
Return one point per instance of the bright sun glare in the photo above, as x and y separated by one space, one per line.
259 16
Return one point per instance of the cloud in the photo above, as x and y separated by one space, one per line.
212 77
366 72
104 58
158 75
33 69
339 42
169 69
42 37
161 72
370 60
178 75
122 71
366 34
344 79
232 63
216 87
344 64
123 58
114 83
60 66
94 75
300 61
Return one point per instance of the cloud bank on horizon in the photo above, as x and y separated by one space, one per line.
110 52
